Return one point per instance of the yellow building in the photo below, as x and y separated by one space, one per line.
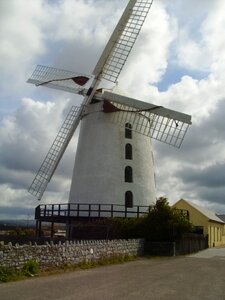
204 220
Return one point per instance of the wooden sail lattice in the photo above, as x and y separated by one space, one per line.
57 79
55 153
122 40
165 129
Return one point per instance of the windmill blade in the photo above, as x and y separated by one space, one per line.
157 122
122 40
59 79
55 153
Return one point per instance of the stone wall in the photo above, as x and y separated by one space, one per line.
70 252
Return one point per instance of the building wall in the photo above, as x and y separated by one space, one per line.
98 175
214 230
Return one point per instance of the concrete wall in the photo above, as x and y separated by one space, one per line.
67 253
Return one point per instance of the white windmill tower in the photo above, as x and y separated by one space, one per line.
114 162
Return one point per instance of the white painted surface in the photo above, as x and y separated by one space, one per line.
98 175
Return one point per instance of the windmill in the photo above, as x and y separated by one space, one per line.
114 162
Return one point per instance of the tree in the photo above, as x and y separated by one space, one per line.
164 223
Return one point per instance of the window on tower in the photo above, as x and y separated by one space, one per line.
128 174
128 151
129 199
128 131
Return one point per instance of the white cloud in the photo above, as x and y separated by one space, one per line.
148 62
200 46
22 38
73 20
213 31
71 34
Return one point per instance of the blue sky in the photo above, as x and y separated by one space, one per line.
178 62
174 74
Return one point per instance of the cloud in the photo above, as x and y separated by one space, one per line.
184 35
197 171
211 176
199 45
25 138
149 59
22 38
13 213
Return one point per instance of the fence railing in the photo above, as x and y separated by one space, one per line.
78 210
186 244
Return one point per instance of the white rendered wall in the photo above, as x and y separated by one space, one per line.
98 175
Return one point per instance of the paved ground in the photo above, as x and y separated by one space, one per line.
211 253
197 277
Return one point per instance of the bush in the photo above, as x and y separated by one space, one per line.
8 274
30 268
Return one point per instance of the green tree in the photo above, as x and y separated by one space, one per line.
165 223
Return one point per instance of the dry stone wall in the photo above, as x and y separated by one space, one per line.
70 252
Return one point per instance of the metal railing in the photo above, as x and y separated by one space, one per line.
78 210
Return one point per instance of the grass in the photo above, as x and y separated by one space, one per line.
31 268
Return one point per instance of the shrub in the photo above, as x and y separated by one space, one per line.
8 274
30 268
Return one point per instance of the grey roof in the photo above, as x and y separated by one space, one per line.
222 217
207 213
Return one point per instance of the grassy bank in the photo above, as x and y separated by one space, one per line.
31 268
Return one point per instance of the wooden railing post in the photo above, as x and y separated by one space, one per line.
68 213
138 211
78 210
52 229
99 210
111 210
37 227
37 212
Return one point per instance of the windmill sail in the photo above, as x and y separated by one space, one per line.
122 40
59 79
164 129
157 122
108 67
55 153
147 119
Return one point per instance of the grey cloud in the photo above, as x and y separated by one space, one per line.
199 165
16 210
213 195
200 139
16 179
83 60
212 176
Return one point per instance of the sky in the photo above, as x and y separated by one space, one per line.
178 62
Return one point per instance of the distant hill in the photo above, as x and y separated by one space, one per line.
15 223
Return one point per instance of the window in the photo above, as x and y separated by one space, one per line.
198 229
128 151
129 199
128 174
128 131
